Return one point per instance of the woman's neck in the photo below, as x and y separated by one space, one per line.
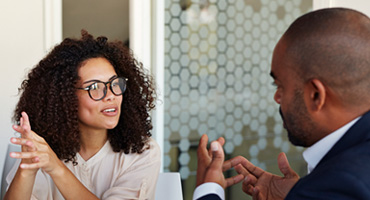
91 142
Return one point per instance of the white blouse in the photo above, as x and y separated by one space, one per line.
109 175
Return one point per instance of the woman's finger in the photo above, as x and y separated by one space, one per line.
22 141
26 125
23 155
29 144
25 120
36 165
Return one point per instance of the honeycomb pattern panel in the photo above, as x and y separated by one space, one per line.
217 63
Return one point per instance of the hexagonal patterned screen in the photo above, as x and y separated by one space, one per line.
217 64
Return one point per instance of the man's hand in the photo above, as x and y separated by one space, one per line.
210 164
264 185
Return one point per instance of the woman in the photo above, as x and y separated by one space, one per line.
85 126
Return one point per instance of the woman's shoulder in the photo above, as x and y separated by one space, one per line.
153 144
152 149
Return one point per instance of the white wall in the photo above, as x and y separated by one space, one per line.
21 47
360 5
109 18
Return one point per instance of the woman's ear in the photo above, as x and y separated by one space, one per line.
316 94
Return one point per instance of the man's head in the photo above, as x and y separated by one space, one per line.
321 67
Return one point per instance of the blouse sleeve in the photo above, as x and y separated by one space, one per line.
139 180
41 188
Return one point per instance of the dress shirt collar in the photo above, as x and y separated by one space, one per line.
317 151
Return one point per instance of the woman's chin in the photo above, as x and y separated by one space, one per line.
111 126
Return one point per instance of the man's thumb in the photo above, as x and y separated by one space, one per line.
217 155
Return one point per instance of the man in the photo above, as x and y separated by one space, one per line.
321 68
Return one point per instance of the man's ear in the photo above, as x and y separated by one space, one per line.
316 94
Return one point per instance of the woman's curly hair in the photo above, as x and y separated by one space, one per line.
48 96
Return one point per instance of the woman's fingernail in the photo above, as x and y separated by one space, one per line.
13 155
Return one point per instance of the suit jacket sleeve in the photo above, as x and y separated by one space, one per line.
210 197
208 191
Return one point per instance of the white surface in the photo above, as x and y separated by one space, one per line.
22 44
147 42
360 5
169 186
140 30
158 71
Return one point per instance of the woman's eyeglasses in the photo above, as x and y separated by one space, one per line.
98 89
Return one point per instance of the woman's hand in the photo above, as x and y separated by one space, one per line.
36 153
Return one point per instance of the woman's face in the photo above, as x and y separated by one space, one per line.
103 114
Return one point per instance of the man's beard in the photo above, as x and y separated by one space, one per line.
297 122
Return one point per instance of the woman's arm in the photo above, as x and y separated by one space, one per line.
36 154
21 186
22 183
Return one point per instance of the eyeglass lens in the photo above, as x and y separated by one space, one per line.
98 90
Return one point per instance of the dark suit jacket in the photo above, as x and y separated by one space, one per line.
210 197
344 172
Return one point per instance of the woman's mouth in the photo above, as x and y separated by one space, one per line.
109 110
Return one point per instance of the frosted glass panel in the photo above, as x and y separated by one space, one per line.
217 64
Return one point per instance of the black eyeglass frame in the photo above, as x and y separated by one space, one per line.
88 88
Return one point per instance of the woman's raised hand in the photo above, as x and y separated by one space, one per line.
36 153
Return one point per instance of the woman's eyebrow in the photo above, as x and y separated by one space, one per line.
90 81
95 80
113 77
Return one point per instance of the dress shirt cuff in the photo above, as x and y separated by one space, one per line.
209 188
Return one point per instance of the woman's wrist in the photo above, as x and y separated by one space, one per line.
59 171
27 173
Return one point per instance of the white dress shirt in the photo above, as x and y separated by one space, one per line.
209 188
317 151
108 174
